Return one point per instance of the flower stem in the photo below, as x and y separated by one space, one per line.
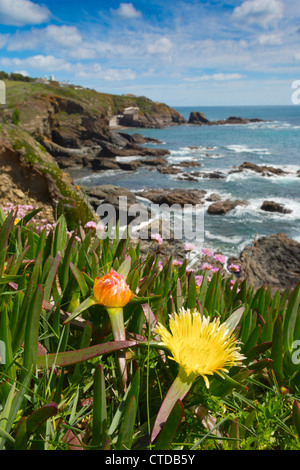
177 391
118 330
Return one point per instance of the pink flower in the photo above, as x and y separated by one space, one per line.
234 268
177 262
198 280
91 224
206 266
215 269
220 258
157 238
207 252
237 290
189 247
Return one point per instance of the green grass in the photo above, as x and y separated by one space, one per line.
73 395
20 95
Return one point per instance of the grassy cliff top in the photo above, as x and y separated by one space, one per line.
19 92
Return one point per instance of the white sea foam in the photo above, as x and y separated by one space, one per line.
246 149
97 175
130 158
236 239
253 209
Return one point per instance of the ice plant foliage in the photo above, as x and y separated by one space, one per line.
201 347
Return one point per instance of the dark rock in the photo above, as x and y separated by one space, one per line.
138 139
100 164
189 164
109 194
213 197
197 118
175 196
271 206
155 161
264 170
129 166
222 207
272 261
186 177
213 175
169 170
110 150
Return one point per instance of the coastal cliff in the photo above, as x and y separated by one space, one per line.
47 128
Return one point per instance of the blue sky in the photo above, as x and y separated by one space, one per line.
183 53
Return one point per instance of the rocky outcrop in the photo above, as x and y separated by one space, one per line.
110 194
195 175
175 196
271 206
222 207
30 175
261 169
272 261
199 119
74 125
152 115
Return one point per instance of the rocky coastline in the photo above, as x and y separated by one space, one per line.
58 134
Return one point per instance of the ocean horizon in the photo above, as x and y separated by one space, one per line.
222 148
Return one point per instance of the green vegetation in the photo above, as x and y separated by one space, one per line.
70 200
60 383
20 93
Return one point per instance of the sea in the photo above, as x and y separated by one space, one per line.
274 142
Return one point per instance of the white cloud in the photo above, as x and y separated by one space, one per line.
127 10
66 36
52 36
96 71
270 39
22 12
217 77
261 12
22 72
3 40
161 46
47 63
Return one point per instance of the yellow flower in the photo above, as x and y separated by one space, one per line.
111 290
16 221
200 346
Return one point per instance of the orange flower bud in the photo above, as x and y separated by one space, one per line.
111 290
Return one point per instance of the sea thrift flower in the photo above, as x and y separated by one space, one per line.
157 238
177 262
215 269
206 266
201 347
234 268
113 293
220 258
91 224
199 280
207 252
189 247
